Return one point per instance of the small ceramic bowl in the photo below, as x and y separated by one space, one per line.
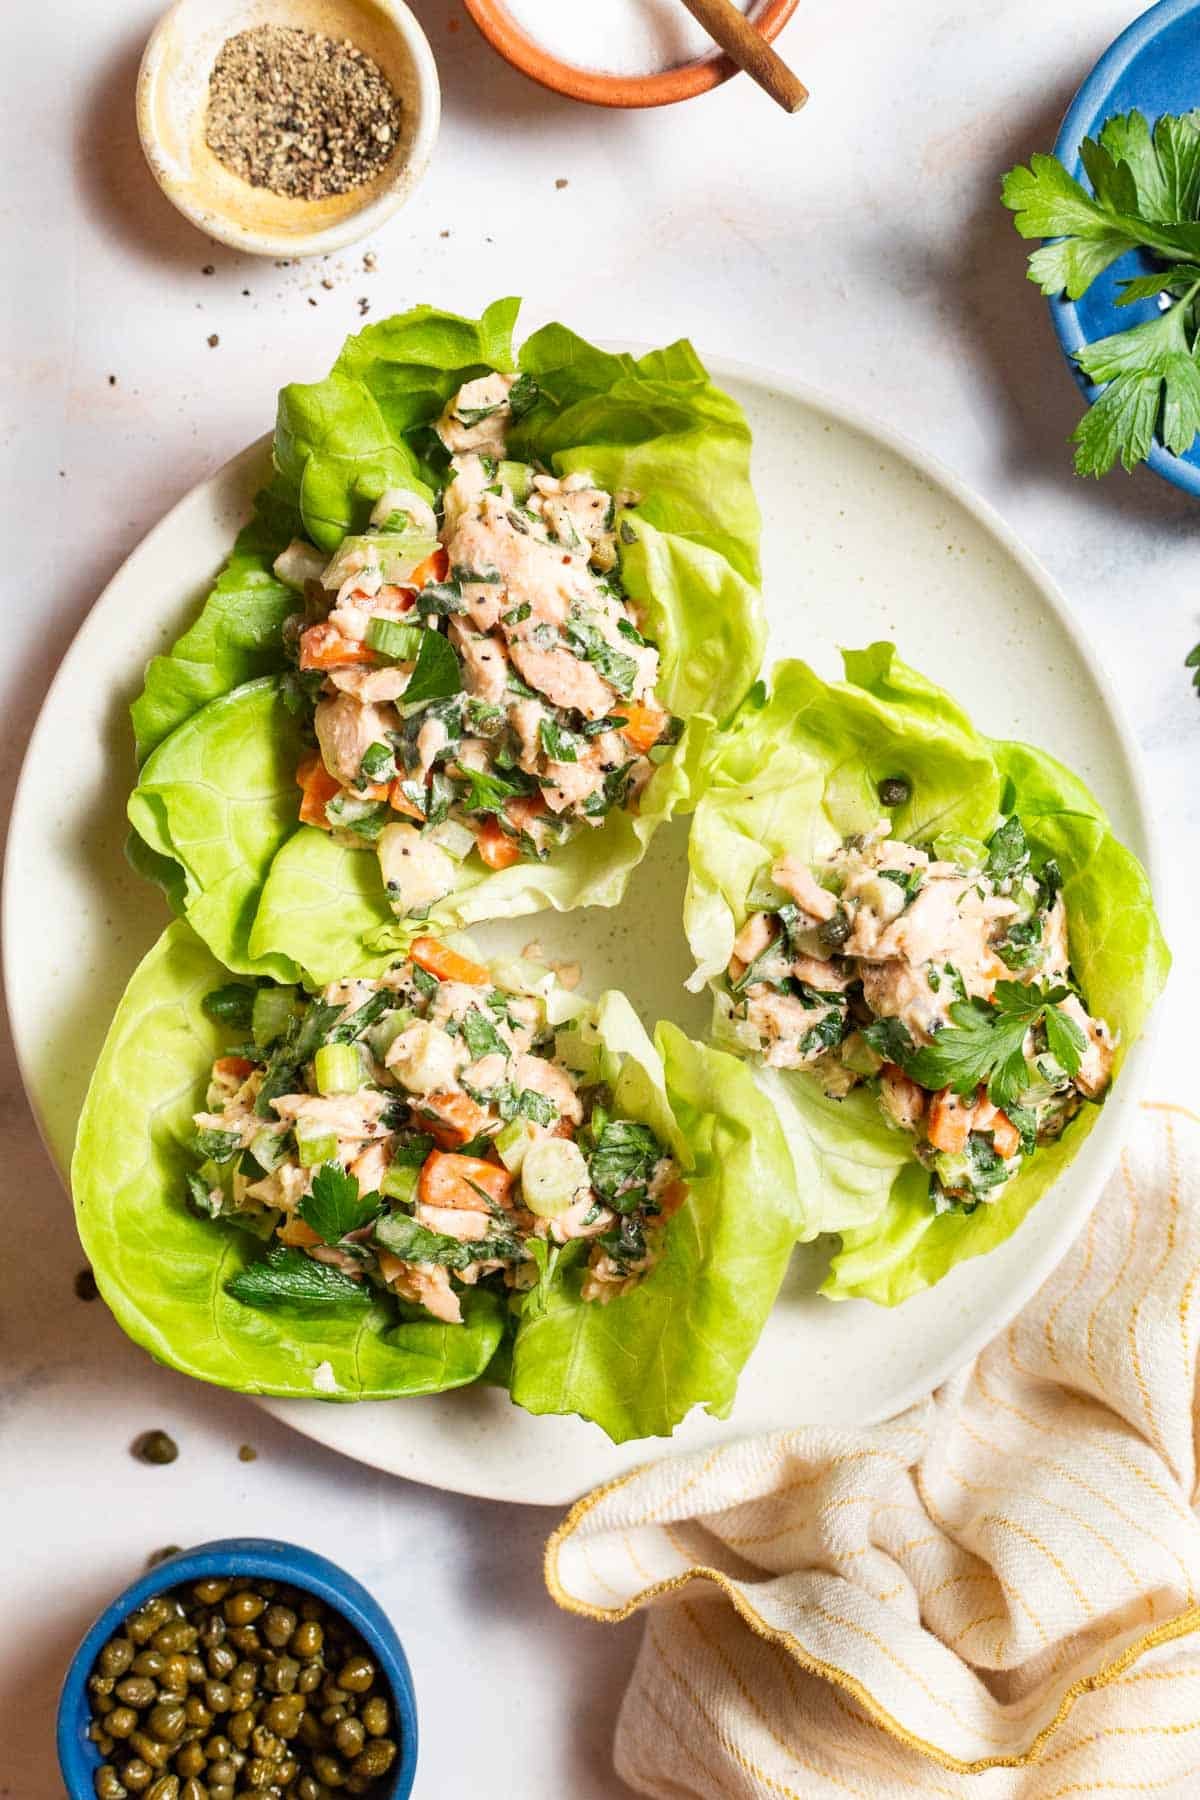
172 93
660 89
270 1560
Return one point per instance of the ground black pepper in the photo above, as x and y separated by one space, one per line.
301 113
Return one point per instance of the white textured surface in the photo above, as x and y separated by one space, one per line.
620 37
859 245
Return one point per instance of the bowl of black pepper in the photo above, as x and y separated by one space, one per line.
242 1667
288 130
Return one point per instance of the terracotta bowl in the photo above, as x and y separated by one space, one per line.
662 89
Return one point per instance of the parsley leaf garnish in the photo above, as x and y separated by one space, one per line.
481 1037
335 1207
985 1043
287 1277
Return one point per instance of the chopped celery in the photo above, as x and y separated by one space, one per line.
382 1035
579 1049
271 1013
858 1055
394 554
518 477
552 1176
394 639
269 1149
455 839
316 1149
400 1183
338 1068
513 1141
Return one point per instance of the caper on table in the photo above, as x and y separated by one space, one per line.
232 1687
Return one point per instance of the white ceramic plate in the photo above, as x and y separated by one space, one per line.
865 538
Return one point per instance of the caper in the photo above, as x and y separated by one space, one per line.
375 1715
115 1657
279 1622
264 1743
149 1749
163 1555
243 1608
218 1696
221 1661
193 1790
137 1775
197 1714
196 1670
224 1771
217 1747
210 1590
358 1675
281 1675
895 790
308 1788
101 1684
309 1678
244 1675
307 1639
245 1639
223 1791
358 1784
311 1732
212 1630
330 1770
284 1714
333 1715
832 933
149 1662
191 1760
376 1759
332 1694
167 1722
349 1737
121 1721
155 1447
240 1727
286 1769
137 1690
108 1784
176 1635
165 1788
175 1677
259 1775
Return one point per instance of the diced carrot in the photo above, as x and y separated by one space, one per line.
298 1235
391 600
449 1180
643 727
672 1199
323 647
319 787
232 1068
434 568
400 801
562 1127
1006 1139
374 790
498 850
523 808
436 958
458 1118
950 1121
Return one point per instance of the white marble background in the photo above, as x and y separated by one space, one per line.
860 245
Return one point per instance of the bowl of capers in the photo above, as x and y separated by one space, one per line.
242 1667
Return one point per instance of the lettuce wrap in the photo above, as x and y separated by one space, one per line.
797 773
634 1366
653 425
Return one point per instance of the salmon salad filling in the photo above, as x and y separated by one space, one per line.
423 1133
939 975
479 679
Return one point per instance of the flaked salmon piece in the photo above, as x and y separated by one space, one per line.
370 686
827 977
484 662
478 417
753 938
1095 1071
425 1284
795 879
346 730
454 1221
369 1168
785 1024
563 679
548 1079
347 1116
568 784
902 1099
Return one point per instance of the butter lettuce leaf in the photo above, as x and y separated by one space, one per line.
639 1364
798 771
654 425
163 1270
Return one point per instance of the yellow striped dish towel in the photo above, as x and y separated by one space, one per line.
995 1595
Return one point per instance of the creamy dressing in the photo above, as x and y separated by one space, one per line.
616 37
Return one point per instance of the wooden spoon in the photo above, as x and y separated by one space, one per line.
737 36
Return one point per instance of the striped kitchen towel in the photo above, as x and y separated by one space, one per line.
995 1595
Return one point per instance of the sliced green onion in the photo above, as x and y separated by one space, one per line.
269 1149
314 1150
338 1069
391 638
513 1142
271 1012
400 1182
383 1034
517 477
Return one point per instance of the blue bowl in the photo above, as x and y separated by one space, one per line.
270 1560
1153 67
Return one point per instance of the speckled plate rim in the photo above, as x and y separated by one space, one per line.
597 88
1090 107
349 1428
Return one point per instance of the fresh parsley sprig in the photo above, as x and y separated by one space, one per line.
1146 196
985 1044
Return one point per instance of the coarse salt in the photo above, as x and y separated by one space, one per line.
616 37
